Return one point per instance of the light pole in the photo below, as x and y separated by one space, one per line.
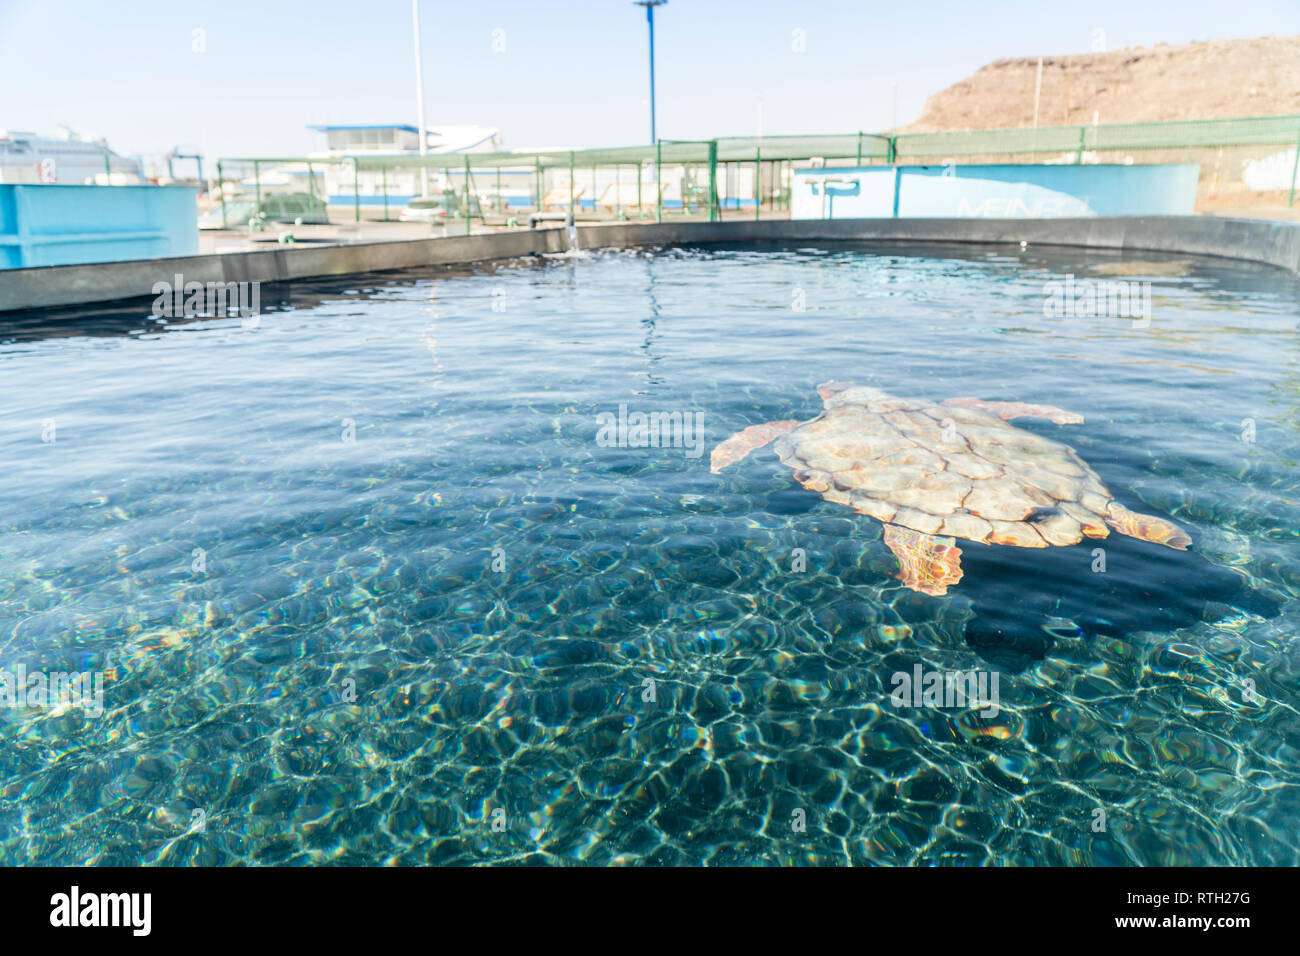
419 101
650 19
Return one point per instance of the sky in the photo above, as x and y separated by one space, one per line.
241 78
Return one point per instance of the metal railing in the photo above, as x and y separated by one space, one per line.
698 178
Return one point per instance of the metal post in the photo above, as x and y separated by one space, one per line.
640 171
1291 201
221 184
758 181
859 147
465 195
537 160
500 201
311 188
713 180
650 20
419 98
659 187
257 188
1078 157
108 169
1038 89
571 184
356 192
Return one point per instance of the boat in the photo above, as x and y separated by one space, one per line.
66 159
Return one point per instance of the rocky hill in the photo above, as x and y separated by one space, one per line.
1211 80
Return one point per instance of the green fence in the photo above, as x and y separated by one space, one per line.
669 178
1250 161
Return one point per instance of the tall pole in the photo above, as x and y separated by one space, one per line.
419 100
1038 89
650 19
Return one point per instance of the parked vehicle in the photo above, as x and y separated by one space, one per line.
276 207
439 207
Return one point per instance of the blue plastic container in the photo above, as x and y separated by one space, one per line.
53 225
994 191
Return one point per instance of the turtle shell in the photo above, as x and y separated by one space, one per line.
947 470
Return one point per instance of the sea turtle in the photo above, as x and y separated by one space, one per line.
934 472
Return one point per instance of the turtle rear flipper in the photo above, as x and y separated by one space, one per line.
926 563
1009 410
743 442
1146 527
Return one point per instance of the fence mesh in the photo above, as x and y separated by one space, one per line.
1245 164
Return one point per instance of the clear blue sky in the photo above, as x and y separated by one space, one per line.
573 72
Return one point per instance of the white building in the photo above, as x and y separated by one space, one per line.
398 183
65 158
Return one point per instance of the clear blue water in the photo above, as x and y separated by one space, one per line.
311 637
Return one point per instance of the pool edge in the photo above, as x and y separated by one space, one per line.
1256 240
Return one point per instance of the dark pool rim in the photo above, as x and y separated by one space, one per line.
1262 241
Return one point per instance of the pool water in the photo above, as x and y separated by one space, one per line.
366 583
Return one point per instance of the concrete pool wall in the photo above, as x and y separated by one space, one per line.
1272 243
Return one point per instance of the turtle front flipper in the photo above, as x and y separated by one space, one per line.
743 442
926 563
1146 527
1009 410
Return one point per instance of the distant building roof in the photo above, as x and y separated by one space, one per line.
402 126
441 139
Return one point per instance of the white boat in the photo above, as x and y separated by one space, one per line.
65 158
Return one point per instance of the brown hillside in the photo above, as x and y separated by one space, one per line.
1216 79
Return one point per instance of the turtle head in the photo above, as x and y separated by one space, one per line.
843 393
